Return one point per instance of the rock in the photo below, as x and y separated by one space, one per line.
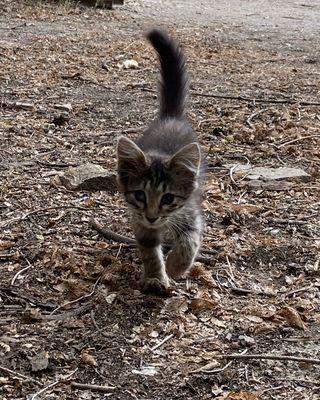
60 119
89 177
24 106
130 64
40 361
104 65
270 174
64 107
269 185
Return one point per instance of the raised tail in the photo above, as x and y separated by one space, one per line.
174 80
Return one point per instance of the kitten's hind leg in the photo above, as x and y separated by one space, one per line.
182 255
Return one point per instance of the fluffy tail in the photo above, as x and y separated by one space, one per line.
174 80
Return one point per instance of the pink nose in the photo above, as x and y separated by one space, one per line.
151 220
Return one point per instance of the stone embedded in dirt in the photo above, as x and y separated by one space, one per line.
89 177
130 64
61 118
67 107
40 361
269 174
24 106
269 185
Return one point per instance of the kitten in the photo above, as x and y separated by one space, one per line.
160 176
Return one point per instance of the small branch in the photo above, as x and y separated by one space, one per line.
253 100
217 370
17 374
86 296
28 214
244 98
53 384
95 388
207 368
252 116
296 140
162 342
286 221
109 234
66 315
26 297
20 272
269 357
302 289
271 388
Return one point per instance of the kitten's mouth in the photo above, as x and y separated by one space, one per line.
153 225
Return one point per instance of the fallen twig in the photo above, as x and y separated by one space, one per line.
162 342
286 221
17 374
244 98
302 289
38 210
63 379
109 234
268 357
125 239
66 315
20 272
296 140
217 370
95 388
252 116
207 368
86 296
26 297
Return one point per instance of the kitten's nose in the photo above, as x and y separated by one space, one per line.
151 220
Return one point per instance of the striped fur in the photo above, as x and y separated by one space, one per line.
160 177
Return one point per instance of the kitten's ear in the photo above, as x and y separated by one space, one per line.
129 152
131 159
187 160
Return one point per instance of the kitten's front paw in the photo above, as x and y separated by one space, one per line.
155 285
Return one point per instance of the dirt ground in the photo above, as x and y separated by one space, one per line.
71 311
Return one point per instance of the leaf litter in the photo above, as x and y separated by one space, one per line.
261 290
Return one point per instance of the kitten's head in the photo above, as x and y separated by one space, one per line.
156 186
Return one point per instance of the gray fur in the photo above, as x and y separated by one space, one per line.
160 177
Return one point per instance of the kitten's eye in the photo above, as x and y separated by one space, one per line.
140 196
167 199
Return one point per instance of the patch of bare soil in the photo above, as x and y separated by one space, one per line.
71 311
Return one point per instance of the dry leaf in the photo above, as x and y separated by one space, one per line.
73 323
110 298
40 361
242 395
292 317
202 303
6 244
198 271
218 322
264 328
147 370
88 359
254 318
5 347
177 304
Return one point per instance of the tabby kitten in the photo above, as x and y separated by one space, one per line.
160 175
